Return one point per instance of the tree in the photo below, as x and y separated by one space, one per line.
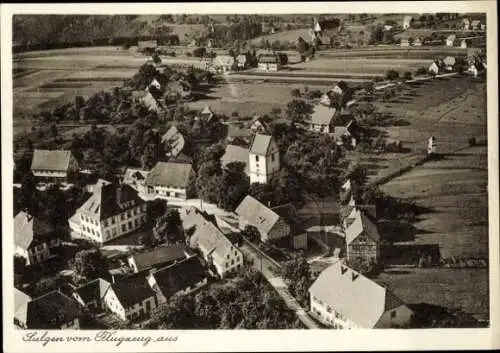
251 233
154 210
156 58
53 131
377 34
173 225
391 75
407 75
298 273
295 93
29 193
235 186
88 265
298 110
19 265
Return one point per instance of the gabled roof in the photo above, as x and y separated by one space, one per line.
132 289
175 139
110 200
407 19
152 103
132 174
355 296
160 255
206 113
28 228
322 115
207 236
235 154
256 214
264 120
260 144
180 276
21 301
234 131
51 310
93 290
54 160
361 224
169 174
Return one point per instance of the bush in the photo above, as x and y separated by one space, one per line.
421 71
472 142
392 75
407 75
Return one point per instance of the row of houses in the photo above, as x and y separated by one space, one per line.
466 25
269 61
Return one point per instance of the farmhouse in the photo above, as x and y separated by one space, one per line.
173 142
407 20
147 45
475 25
35 239
449 62
269 62
417 42
431 145
261 124
236 154
450 40
182 277
21 301
135 178
322 118
346 133
343 298
217 250
464 43
242 61
176 90
264 158
131 298
362 238
405 42
238 135
387 28
170 180
224 63
112 211
91 294
434 68
160 257
270 225
152 102
466 24
53 310
53 166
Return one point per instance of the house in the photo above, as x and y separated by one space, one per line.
242 61
183 277
270 225
147 45
316 27
261 124
206 114
53 166
263 159
21 301
222 256
449 62
238 135
341 88
269 62
235 153
91 294
362 238
159 257
405 42
431 145
131 297
387 28
98 184
466 24
177 90
35 239
450 40
322 119
434 68
173 141
483 27
224 63
298 235
407 20
325 99
152 103
343 298
168 179
346 133
135 178
475 25
52 310
473 69
417 42
112 211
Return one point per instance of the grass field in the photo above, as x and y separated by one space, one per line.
452 288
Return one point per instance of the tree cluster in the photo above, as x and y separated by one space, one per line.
297 273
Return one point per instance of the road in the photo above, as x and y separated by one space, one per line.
265 266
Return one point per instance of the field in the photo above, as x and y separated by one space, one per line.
467 289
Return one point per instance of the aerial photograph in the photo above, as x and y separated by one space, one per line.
250 171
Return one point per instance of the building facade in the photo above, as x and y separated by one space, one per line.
53 166
263 158
169 180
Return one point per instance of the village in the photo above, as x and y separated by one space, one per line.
156 205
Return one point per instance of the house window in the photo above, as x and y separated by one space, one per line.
272 157
232 262
124 227
227 265
130 226
256 158
105 222
113 220
393 314
136 223
122 216
107 234
128 214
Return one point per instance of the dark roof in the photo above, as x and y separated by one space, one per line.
180 276
159 256
51 310
269 59
132 289
109 200
169 174
28 230
257 214
93 290
175 139
55 160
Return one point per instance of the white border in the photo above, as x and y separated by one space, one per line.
307 340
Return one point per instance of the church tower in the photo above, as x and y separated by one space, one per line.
263 158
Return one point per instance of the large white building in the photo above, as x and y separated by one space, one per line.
263 158
112 211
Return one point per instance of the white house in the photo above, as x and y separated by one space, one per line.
217 250
269 224
183 277
343 298
322 118
417 42
463 44
405 42
224 63
169 180
264 158
407 22
56 166
269 62
112 211
131 298
431 145
434 68
466 24
450 40
35 239
475 25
